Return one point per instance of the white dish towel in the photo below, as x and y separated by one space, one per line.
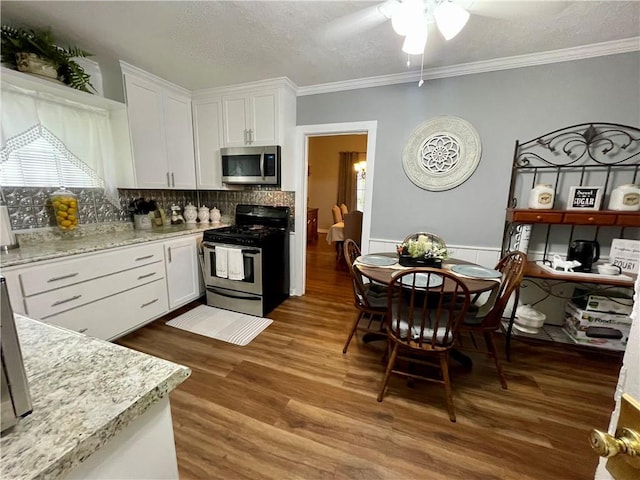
235 264
222 262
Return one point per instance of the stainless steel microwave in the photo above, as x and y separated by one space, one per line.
251 165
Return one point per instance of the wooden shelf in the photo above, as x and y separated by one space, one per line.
534 270
575 217
58 89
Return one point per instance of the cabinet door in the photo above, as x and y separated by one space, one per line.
182 271
179 138
235 121
264 121
146 124
207 121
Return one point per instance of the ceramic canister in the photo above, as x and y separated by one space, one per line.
190 213
215 215
541 196
203 214
625 197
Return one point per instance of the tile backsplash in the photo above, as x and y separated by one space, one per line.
30 207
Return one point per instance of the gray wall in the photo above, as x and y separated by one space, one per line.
503 106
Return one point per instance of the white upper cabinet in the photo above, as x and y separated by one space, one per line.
161 131
259 113
207 135
251 118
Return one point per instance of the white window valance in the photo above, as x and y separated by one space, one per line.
85 131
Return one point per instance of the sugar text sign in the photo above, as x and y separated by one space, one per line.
585 198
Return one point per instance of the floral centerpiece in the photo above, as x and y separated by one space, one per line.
424 251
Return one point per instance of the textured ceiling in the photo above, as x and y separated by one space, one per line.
215 43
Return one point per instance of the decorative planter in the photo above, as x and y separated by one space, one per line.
409 261
32 63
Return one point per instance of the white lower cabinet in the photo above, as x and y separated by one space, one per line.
113 316
108 294
183 274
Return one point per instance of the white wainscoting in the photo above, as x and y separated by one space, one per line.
485 256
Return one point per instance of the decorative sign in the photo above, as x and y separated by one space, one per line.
441 153
625 254
584 198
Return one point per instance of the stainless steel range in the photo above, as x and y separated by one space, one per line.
246 266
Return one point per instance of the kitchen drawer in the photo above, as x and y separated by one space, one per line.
113 316
592 218
629 219
69 272
49 303
536 216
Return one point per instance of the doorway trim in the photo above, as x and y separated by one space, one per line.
303 132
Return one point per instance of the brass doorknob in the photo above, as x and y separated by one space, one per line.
626 441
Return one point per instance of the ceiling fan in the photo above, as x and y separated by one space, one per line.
412 19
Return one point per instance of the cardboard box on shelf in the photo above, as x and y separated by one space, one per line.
578 320
615 302
605 343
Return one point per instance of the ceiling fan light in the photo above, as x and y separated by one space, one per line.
450 19
405 16
415 42
388 8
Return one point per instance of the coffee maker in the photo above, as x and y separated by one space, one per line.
584 251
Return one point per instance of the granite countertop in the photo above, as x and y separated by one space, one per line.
51 244
84 391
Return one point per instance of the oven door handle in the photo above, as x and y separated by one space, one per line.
245 251
228 295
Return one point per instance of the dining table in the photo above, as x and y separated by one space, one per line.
384 273
478 279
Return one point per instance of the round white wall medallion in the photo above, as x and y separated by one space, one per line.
441 153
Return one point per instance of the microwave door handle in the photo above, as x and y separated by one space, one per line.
262 164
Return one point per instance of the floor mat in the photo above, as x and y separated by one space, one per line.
225 325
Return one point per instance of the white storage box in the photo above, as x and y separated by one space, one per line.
618 304
605 343
578 320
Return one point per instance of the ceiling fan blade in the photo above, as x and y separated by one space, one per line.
510 9
354 23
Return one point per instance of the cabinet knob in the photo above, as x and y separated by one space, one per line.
538 217
591 219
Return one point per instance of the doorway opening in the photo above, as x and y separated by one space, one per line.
305 138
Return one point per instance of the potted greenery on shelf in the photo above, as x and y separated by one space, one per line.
35 51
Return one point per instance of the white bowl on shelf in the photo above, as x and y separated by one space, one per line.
528 319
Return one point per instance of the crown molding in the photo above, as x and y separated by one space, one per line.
133 70
506 63
279 82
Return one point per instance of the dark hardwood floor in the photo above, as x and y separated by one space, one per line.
291 405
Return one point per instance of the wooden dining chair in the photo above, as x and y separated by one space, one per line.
336 213
353 226
423 323
369 299
344 209
485 320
